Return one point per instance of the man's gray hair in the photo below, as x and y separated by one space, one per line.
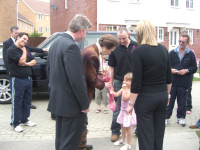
14 28
79 22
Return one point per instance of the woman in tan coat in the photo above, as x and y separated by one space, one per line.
93 69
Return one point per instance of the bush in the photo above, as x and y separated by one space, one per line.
36 34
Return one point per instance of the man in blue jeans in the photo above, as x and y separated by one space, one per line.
119 62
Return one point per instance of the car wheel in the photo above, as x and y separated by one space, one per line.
5 90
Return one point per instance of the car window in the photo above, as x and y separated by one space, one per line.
91 39
47 43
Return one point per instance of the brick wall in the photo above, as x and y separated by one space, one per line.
61 17
8 18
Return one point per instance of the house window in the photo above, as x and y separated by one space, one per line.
47 17
40 30
160 34
174 3
189 3
190 33
47 29
40 16
65 4
20 24
31 29
26 27
111 28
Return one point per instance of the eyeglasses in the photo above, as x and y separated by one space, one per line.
181 42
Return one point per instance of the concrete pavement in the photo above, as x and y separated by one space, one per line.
42 136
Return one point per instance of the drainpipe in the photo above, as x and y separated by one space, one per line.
17 10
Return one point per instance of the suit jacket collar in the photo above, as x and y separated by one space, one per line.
69 36
11 41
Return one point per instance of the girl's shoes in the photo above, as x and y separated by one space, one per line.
105 111
120 142
98 110
126 147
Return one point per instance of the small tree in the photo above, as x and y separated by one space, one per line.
36 34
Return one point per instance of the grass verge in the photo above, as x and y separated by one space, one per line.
198 134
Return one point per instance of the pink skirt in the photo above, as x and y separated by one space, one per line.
127 120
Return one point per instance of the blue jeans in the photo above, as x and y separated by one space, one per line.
198 123
116 127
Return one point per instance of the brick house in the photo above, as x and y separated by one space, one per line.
37 13
24 24
170 17
8 18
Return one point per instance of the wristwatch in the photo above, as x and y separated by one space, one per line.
130 104
187 70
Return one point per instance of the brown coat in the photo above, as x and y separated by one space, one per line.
90 57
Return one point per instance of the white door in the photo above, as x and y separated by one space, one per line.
173 39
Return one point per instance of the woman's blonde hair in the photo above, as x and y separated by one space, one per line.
128 76
146 33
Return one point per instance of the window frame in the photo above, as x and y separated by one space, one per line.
191 34
40 30
40 16
112 28
174 3
161 35
47 29
188 4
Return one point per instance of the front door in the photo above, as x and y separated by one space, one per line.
173 39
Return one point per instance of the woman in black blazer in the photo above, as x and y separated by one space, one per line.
150 87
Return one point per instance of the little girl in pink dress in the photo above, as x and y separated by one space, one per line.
123 118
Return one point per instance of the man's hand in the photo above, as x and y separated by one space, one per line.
23 49
182 72
45 49
86 111
174 71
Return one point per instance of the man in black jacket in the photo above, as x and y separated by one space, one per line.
183 64
68 97
8 43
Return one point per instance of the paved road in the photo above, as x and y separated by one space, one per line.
41 137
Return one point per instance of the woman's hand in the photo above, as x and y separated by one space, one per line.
129 109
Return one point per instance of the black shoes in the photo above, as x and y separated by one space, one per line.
89 147
33 106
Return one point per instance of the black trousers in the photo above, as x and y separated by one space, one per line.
68 132
180 94
151 110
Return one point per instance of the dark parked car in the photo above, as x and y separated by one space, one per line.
40 80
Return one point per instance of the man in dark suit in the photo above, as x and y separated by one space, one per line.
68 97
8 43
